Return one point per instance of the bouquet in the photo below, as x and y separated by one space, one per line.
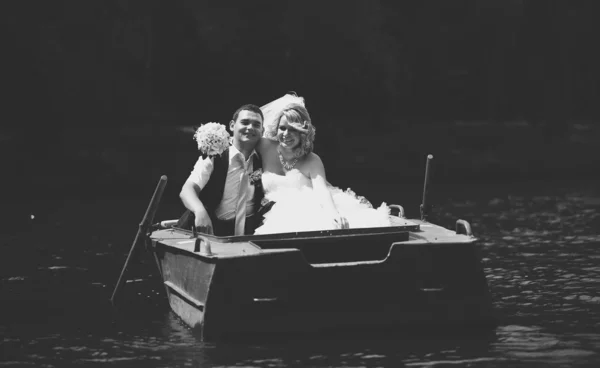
213 139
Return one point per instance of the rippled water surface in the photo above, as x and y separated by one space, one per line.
541 253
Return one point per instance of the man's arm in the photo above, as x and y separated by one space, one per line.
191 189
191 201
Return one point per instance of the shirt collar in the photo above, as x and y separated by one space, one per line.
233 151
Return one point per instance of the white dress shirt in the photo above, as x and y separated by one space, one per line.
226 208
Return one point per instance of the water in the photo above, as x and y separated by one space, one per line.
540 247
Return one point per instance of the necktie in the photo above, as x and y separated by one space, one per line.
240 208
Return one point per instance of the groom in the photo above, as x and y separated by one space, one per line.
222 197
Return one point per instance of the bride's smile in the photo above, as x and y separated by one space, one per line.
287 136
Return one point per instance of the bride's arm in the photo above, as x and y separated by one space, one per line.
319 183
263 145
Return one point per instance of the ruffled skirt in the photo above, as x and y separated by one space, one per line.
297 210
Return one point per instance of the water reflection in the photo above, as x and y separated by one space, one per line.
355 352
533 344
541 254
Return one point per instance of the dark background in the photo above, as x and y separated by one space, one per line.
96 94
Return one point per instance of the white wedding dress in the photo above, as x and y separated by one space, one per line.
297 208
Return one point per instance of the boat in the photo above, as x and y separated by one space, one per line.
414 273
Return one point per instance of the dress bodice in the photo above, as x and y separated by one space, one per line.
292 180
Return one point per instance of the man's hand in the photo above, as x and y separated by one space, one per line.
202 222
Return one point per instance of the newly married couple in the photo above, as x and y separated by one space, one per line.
269 180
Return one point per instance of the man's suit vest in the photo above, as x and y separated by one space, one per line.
212 193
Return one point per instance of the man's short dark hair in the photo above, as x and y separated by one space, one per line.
248 107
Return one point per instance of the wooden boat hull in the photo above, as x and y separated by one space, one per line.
419 274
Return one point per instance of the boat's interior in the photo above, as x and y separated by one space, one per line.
399 225
339 245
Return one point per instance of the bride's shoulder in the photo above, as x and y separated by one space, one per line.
312 159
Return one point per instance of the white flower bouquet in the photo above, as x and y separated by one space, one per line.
213 139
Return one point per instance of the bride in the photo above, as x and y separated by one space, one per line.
294 178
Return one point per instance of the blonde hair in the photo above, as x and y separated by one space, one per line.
298 118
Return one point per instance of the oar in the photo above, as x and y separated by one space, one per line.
424 205
146 221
